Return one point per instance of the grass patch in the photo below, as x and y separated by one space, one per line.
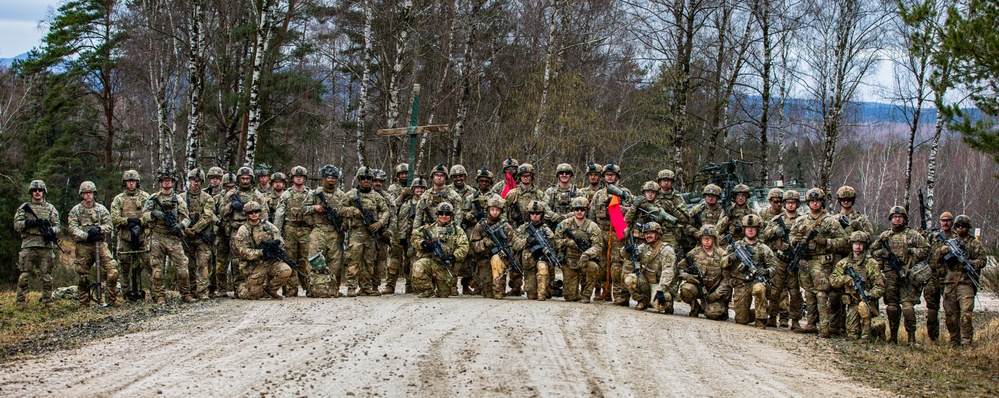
930 368
37 330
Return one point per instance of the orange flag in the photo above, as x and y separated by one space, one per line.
510 184
616 217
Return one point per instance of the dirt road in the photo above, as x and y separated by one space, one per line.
404 346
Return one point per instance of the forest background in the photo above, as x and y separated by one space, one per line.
647 84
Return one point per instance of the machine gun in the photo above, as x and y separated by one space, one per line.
959 252
367 218
660 216
541 247
693 270
800 252
499 239
858 285
438 250
170 220
893 261
44 227
745 256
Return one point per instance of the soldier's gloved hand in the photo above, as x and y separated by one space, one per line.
94 234
427 246
374 227
780 232
158 214
31 223
571 243
951 259
238 206
660 298
354 212
49 236
402 242
630 249
584 259
737 229
178 227
132 222
43 223
843 221
531 241
691 279
450 259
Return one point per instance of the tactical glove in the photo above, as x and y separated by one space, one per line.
691 279
374 227
450 259
427 246
660 298
31 223
94 234
133 222
238 206
157 214
737 229
630 249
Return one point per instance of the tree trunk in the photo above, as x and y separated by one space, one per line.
260 52
195 80
401 46
362 99
550 49
764 20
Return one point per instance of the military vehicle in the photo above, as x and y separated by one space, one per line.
729 174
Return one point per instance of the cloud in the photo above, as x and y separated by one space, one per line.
17 37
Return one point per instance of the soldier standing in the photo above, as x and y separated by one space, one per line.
437 194
594 180
365 213
201 234
709 212
126 217
256 242
263 180
272 198
463 270
933 291
859 312
291 221
582 242
851 220
231 213
910 247
656 261
599 213
517 201
489 261
166 214
88 222
536 267
960 285
703 272
785 290
670 200
37 221
731 223
386 243
747 288
321 208
776 199
215 175
559 197
401 263
223 254
430 277
401 179
829 239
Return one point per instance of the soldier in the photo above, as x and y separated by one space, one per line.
510 166
851 220
785 291
291 221
385 239
594 180
272 198
476 202
747 288
559 197
363 231
933 291
88 222
859 312
910 247
430 277
731 223
489 261
960 286
400 264
126 215
582 242
670 200
776 199
215 175
457 175
223 254
463 270
599 212
517 201
166 214
646 209
437 194
829 239
263 180
703 271
201 234
401 179
321 208
709 212
232 217
228 183
655 263
37 221
256 241
536 267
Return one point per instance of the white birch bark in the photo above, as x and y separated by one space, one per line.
362 100
264 31
195 82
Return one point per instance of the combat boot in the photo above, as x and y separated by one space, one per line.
695 308
824 333
188 299
641 306
351 292
160 300
794 325
426 293
388 289
810 329
771 322
371 292
762 324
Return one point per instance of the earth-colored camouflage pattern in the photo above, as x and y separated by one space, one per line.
858 314
716 289
579 263
263 275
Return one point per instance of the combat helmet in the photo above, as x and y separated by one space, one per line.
707 230
962 221
37 184
87 186
815 194
166 173
131 175
401 168
329 171
445 207
775 193
860 236
419 182
791 194
535 207
457 170
364 171
564 168
712 189
898 210
484 173
380 175
525 168
612 168
496 202
279 176
653 226
650 186
846 192
251 206
579 203
439 168
666 174
751 220
196 174
215 171
593 168
300 171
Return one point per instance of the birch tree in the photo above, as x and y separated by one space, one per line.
195 81
263 38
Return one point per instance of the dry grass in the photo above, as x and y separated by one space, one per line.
930 368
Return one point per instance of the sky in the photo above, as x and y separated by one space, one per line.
19 28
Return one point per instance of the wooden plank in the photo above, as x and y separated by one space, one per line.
436 128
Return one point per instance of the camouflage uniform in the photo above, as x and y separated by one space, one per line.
200 240
223 254
910 247
766 214
426 212
34 248
731 223
589 190
263 275
489 265
657 261
272 199
858 314
429 274
291 220
717 292
401 263
232 217
126 211
830 239
81 220
536 269
517 201
959 290
701 215
385 242
510 166
463 270
398 187
933 290
784 286
599 213
579 263
326 239
362 240
164 242
746 289
559 199
672 203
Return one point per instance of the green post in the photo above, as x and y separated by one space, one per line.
412 133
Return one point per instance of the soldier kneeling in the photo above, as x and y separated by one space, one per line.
255 242
705 288
656 260
860 277
442 244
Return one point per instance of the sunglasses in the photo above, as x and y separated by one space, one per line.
564 173
35 190
579 209
364 178
533 213
253 212
445 213
775 200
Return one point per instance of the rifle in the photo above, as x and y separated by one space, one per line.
922 212
272 250
893 261
499 238
693 270
518 216
331 215
632 249
581 244
542 248
207 237
44 227
237 200
366 218
170 220
438 251
783 227
697 217
745 256
660 216
800 252
957 251
858 285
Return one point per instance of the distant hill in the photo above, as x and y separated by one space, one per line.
7 62
867 112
